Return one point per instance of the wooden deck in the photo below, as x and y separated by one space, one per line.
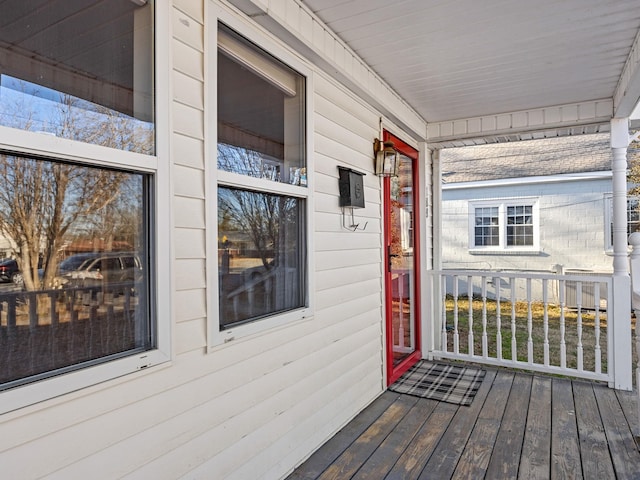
519 426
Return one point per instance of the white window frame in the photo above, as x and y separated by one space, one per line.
608 220
217 337
502 205
32 143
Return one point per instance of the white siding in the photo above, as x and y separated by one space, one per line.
256 407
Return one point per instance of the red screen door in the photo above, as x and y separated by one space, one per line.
402 261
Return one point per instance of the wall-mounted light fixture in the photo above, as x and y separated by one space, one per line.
387 158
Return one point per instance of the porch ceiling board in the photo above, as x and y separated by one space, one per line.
465 60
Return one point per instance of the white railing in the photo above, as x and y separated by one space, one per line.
522 320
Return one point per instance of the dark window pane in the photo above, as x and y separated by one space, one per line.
77 302
517 233
85 73
261 254
487 226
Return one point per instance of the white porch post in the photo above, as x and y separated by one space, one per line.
435 324
620 312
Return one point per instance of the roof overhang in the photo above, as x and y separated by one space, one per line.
468 72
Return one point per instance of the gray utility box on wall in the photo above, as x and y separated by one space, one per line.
351 188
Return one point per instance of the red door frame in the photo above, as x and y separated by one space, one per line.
393 373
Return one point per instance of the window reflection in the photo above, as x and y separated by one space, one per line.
29 106
85 74
77 236
259 254
260 113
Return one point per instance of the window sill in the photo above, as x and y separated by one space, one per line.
250 330
43 392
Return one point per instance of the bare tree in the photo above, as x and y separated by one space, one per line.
263 217
42 201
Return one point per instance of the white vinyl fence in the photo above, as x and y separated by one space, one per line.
522 320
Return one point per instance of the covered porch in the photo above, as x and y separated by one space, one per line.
477 73
520 425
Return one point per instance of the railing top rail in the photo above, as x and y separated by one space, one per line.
577 277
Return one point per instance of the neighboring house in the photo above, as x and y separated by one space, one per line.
271 305
539 205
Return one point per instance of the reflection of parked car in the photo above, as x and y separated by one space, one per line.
9 271
99 268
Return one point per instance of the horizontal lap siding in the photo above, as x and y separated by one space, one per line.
257 406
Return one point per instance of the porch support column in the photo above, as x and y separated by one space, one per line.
620 312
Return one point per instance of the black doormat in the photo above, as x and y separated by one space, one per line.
440 381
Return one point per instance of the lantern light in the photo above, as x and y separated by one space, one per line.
387 159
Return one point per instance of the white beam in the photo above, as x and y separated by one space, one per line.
627 94
595 113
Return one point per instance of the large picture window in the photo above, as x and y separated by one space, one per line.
262 180
75 289
78 229
503 225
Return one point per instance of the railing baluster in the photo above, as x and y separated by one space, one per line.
514 346
598 353
485 349
53 329
563 345
470 295
580 363
34 348
443 336
529 324
545 319
496 281
456 335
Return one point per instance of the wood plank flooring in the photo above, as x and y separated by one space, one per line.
519 426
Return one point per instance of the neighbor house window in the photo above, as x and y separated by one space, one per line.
503 225
85 73
77 296
262 184
633 218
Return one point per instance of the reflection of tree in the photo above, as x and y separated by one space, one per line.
262 216
119 219
42 203
41 200
28 106
247 162
98 125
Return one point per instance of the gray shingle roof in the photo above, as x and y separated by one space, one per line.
548 156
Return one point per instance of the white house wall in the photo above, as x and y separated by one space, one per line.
572 227
258 406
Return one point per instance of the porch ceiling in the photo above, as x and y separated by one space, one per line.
463 61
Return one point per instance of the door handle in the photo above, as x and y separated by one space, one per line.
389 257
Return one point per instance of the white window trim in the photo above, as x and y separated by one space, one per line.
33 143
502 205
215 336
